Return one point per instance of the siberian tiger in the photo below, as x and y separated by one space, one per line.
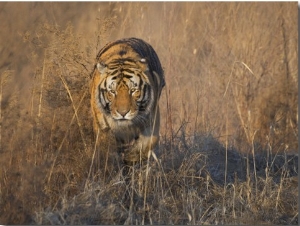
126 85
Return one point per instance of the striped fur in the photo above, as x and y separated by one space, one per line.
126 85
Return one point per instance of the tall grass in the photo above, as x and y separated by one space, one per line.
228 129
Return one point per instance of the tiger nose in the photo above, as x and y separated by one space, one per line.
123 111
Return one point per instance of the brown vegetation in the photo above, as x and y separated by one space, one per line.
229 115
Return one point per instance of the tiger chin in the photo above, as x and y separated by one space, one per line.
126 86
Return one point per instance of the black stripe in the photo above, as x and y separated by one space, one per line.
114 72
128 76
145 99
129 70
141 81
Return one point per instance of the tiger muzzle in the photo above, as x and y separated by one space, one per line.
123 111
122 101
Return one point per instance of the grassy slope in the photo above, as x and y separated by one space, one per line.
235 63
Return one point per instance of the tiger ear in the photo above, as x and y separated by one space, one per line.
143 60
144 68
143 64
101 68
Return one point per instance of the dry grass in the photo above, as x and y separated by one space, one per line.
229 130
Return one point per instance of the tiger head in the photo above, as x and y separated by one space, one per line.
123 90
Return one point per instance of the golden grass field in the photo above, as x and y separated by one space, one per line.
229 115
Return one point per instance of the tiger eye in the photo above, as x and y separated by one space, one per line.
110 94
137 93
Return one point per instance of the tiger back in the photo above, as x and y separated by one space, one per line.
126 86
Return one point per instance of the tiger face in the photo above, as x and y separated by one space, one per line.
126 84
122 95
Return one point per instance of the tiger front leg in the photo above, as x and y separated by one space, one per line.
140 149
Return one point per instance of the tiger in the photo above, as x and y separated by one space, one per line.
126 86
